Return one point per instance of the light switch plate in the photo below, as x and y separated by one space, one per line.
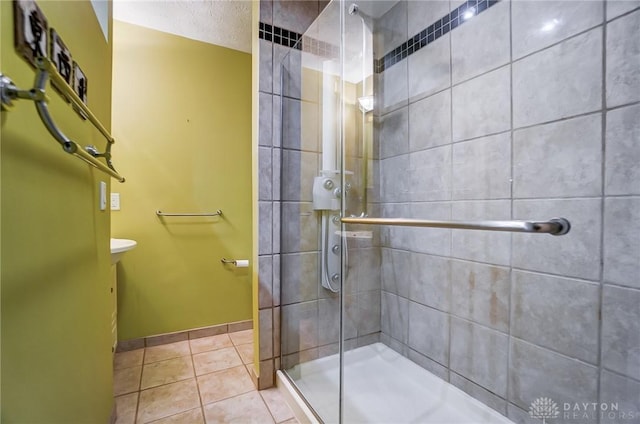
115 201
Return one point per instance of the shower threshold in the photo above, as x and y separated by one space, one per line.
382 386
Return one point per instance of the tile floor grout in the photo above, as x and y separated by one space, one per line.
236 395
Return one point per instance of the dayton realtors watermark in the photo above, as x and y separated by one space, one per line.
593 410
546 409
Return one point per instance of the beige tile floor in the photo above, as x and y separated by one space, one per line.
195 381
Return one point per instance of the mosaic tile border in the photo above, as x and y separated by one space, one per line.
297 41
442 26
279 35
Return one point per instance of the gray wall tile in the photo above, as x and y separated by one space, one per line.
266 333
265 179
429 69
276 127
300 228
291 129
299 171
368 339
561 159
394 178
265 219
300 131
276 173
392 343
539 24
559 82
299 327
482 43
391 29
276 332
618 7
276 280
483 246
621 330
368 264
536 372
480 293
429 279
266 11
294 15
435 241
368 314
393 129
299 281
480 393
623 56
430 174
623 391
265 281
576 254
429 332
287 71
517 415
622 173
396 237
396 271
329 320
393 88
481 106
266 64
276 226
423 13
481 168
622 241
557 313
394 318
265 134
430 365
480 354
430 120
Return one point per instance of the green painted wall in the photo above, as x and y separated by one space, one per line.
182 117
56 353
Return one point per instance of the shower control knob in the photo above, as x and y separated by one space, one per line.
335 249
328 184
337 192
335 277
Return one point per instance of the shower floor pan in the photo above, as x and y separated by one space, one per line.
382 386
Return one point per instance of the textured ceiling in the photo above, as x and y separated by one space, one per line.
225 23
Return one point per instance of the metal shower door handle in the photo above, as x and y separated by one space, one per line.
554 226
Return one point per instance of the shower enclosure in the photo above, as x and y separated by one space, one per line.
459 213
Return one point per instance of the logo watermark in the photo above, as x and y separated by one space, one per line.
545 408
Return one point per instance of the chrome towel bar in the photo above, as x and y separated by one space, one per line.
555 226
46 71
216 213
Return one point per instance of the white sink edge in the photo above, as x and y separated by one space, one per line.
119 247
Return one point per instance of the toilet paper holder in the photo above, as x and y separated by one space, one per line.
241 263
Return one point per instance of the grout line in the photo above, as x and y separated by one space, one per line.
603 118
266 405
607 20
557 352
451 191
195 378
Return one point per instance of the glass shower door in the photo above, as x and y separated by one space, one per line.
311 189
491 120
